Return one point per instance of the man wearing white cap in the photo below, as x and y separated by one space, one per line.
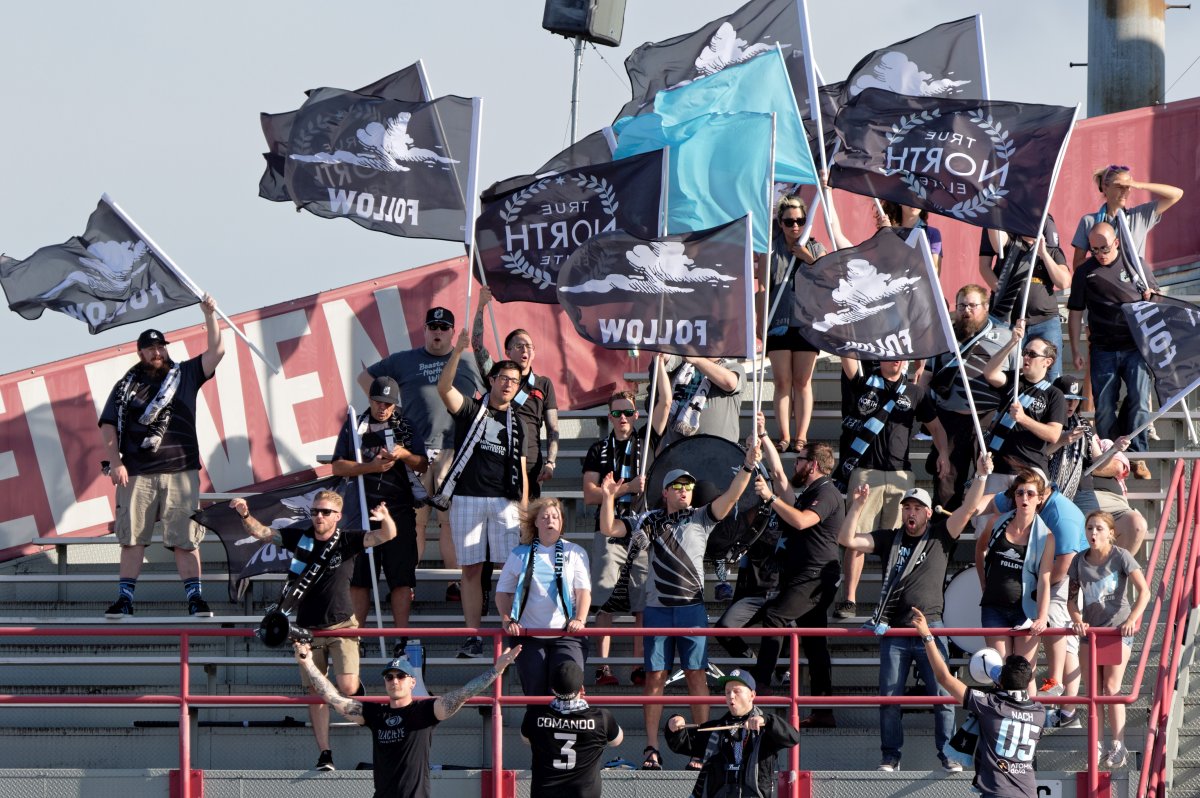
676 535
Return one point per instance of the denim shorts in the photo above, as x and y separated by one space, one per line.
659 652
993 617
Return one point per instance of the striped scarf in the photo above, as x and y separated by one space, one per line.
869 430
525 390
1005 422
157 415
512 458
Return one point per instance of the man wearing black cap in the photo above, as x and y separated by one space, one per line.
417 371
403 728
389 447
152 454
739 749
568 738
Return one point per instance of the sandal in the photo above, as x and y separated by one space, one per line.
652 760
798 445
783 444
696 763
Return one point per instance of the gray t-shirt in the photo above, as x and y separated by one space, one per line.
417 372
720 416
1140 219
677 543
1008 736
1105 602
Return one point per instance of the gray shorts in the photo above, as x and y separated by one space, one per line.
1089 501
169 498
608 555
1058 617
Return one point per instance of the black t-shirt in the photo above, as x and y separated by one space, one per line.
1008 738
619 458
1023 449
485 474
1003 573
179 449
568 749
327 601
1101 290
391 486
539 400
400 745
1042 305
860 403
925 583
807 551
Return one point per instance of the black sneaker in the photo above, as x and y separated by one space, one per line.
472 649
198 608
325 761
398 650
453 593
119 609
844 610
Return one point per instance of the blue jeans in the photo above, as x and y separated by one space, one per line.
1049 330
896 655
1109 370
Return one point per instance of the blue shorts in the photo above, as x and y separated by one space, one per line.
659 652
993 617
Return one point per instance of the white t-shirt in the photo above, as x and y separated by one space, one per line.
543 607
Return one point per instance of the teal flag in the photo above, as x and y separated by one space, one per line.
719 166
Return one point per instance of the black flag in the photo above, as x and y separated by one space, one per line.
404 85
525 235
278 509
392 166
1167 333
876 301
107 277
682 294
592 149
988 164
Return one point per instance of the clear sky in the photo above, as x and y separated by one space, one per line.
157 103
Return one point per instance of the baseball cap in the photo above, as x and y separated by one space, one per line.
738 675
385 389
567 679
1071 388
151 338
402 665
439 315
676 474
917 494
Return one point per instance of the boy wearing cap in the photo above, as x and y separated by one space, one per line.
568 738
152 454
389 447
739 749
403 727
676 536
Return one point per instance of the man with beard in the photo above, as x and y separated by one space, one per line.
978 338
416 371
148 426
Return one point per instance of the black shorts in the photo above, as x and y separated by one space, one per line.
398 557
789 341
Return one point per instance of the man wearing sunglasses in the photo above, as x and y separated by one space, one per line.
402 729
324 553
417 371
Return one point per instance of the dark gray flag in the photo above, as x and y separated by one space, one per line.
404 85
1167 333
682 294
984 163
391 166
876 301
525 235
754 28
107 277
590 150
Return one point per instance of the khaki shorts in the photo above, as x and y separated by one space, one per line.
170 498
1058 617
606 561
439 466
343 650
883 503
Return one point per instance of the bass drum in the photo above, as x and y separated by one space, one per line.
961 609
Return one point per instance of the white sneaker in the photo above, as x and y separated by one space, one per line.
951 765
888 766
1117 756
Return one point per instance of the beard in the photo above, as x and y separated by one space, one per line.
799 479
965 328
152 370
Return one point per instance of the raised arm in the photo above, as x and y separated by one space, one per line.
216 345
993 372
662 399
974 499
725 502
482 358
1167 195
451 397
251 524
720 376
387 527
949 682
347 707
445 706
609 525
848 535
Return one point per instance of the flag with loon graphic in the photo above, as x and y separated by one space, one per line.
524 236
754 28
988 164
107 277
876 301
1167 333
392 166
407 85
684 294
283 508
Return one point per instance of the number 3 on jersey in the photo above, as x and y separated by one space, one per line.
568 751
1015 740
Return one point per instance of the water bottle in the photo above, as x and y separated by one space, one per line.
415 653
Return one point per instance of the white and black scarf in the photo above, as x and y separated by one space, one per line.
869 430
512 457
687 404
402 435
157 415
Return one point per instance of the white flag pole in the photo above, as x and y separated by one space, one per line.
183 278
795 264
362 509
814 107
748 276
427 93
983 70
759 367
1174 400
469 202
650 423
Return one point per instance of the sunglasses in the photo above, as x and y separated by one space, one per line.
625 413
439 326
1032 353
323 511
1104 250
394 677
793 222
1031 492
681 486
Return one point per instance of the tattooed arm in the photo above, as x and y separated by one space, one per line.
348 707
451 702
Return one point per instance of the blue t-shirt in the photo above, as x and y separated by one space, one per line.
1065 520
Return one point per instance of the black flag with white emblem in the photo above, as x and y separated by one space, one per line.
1167 333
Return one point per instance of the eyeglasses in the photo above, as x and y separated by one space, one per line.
504 379
1103 250
793 222
522 346
324 511
1033 353
1112 167
394 677
801 457
681 486
1031 492
439 326
969 305
625 413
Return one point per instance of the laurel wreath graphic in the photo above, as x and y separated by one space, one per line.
518 265
608 197
516 202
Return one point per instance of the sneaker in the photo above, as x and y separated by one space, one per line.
1117 756
198 608
398 650
453 592
1050 687
1059 719
472 649
889 766
845 609
605 678
950 765
1152 433
723 591
119 609
325 761
922 436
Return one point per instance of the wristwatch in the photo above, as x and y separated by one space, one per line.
927 639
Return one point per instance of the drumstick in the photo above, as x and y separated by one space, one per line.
701 727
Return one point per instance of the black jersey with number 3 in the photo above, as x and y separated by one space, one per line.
1008 736
568 749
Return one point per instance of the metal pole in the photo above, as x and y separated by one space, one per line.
575 86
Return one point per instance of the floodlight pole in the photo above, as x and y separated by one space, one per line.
575 86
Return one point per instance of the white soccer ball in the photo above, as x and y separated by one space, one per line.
986 664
